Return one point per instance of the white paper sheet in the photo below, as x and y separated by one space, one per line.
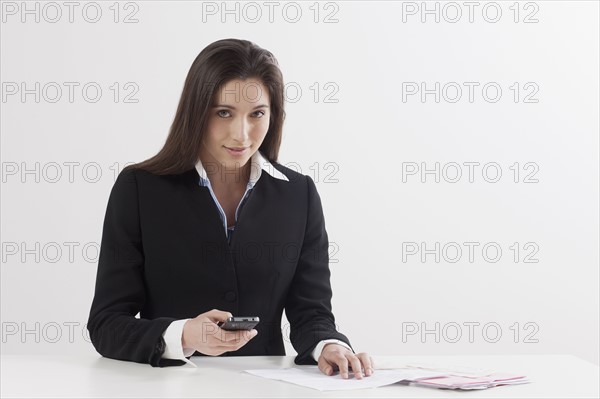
312 377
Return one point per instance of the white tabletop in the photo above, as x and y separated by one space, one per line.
552 376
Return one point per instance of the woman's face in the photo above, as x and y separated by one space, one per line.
237 125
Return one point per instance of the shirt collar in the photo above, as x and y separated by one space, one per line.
258 164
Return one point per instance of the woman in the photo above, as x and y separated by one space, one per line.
212 226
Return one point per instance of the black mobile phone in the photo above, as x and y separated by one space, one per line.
239 323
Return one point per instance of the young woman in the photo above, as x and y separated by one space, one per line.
213 227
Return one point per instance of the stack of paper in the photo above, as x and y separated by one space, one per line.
471 382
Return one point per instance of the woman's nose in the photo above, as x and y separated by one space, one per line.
241 131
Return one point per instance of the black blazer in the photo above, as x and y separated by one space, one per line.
164 254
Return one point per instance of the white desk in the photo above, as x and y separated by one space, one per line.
553 376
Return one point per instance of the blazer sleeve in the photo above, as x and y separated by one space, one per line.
308 303
120 292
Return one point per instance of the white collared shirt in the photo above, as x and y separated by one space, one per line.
173 333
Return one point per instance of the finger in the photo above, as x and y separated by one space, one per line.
216 315
324 366
230 346
367 363
233 340
355 364
342 363
246 335
233 337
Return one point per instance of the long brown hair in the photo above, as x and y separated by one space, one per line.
218 63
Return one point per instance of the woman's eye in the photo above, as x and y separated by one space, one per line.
224 116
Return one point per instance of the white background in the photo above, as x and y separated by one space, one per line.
368 134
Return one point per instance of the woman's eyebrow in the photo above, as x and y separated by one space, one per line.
232 107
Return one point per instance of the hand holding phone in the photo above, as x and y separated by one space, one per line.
239 323
214 342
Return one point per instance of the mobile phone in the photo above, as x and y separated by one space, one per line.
239 323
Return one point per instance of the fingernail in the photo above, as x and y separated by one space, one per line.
344 375
369 371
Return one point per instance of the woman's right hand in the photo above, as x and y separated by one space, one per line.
204 335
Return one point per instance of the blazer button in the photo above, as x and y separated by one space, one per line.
230 296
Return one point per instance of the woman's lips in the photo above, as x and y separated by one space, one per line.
236 150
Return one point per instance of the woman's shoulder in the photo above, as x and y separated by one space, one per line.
132 172
143 182
299 185
292 175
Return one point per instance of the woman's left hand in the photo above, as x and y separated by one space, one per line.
337 357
